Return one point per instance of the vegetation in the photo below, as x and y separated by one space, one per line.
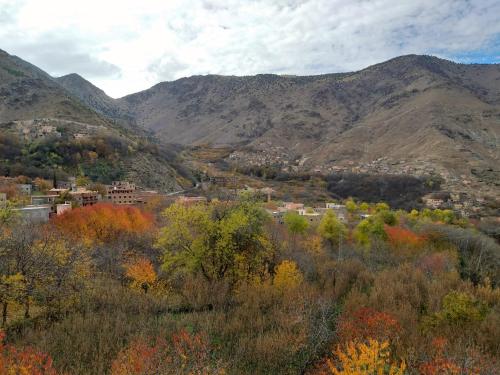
221 288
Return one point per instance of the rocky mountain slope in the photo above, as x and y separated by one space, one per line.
95 98
44 127
412 114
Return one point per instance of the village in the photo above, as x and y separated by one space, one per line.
40 200
462 193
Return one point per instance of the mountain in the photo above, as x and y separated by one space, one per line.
415 115
94 98
45 128
412 114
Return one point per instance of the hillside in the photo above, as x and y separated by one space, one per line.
44 128
415 115
412 114
94 98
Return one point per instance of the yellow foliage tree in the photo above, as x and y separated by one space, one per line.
142 273
368 359
288 276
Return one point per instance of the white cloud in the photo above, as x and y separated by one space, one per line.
125 46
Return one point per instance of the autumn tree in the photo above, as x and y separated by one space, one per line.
221 241
35 262
287 276
184 353
42 185
332 230
27 361
103 223
369 358
402 237
366 323
142 273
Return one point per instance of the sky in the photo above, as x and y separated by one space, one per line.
127 46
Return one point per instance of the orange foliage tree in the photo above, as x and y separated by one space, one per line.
401 237
103 223
439 363
367 323
142 273
27 361
187 352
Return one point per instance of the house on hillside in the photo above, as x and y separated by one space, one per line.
188 201
121 192
84 197
25 189
35 213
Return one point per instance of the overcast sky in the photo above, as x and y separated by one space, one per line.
129 45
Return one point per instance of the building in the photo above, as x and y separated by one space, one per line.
24 188
148 196
44 199
191 200
339 209
433 202
38 213
3 200
84 197
62 208
291 206
310 215
121 192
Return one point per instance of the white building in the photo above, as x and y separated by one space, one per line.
39 213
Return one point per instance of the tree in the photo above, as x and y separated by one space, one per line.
42 185
219 240
142 273
103 223
366 323
24 361
351 206
296 225
402 237
332 230
10 289
184 353
369 229
288 276
370 358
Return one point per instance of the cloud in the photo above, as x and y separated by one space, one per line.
126 46
63 56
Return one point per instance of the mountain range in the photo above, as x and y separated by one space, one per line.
412 114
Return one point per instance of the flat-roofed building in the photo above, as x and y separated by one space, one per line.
61 208
121 192
24 188
48 199
37 213
84 197
191 200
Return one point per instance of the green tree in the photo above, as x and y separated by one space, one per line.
351 206
332 230
296 225
369 229
220 241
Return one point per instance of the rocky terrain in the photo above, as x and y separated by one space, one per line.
416 115
413 114
45 127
